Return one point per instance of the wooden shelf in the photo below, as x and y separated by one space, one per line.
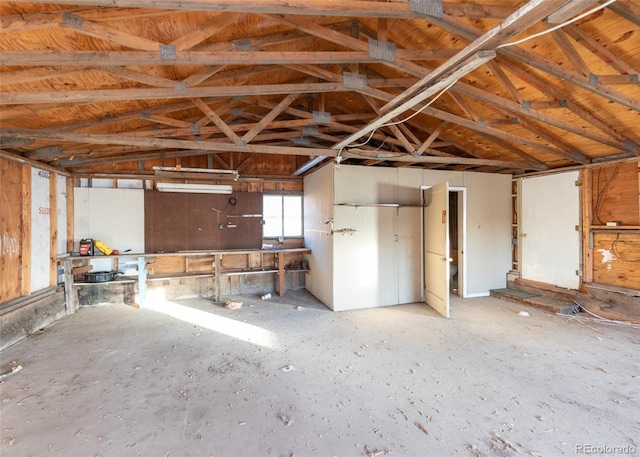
617 227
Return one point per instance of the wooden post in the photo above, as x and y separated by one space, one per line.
70 214
70 299
142 282
25 251
281 273
217 258
587 195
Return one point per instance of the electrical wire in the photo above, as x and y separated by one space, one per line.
402 121
617 254
599 199
558 26
504 45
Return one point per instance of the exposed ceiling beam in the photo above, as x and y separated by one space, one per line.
126 58
79 96
205 147
347 8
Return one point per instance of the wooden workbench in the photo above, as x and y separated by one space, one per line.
216 264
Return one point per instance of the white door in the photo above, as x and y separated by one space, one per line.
436 247
550 243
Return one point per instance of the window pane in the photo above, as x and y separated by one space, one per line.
293 215
272 213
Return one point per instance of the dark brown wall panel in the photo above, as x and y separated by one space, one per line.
192 222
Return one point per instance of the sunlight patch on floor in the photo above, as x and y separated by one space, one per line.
230 327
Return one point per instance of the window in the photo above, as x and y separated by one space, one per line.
282 216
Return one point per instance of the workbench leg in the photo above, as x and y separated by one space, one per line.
69 294
142 282
281 273
217 276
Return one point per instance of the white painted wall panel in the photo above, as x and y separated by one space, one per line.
370 268
61 200
318 209
488 253
550 242
366 264
40 229
114 216
365 185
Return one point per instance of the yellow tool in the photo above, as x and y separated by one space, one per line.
106 250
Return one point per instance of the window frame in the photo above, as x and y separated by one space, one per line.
283 194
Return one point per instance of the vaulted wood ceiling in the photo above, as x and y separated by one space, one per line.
271 87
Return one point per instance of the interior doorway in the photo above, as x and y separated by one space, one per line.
457 241
444 271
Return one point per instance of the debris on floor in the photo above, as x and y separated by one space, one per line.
524 313
13 371
233 305
288 368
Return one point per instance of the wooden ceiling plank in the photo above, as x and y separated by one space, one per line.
85 27
408 133
382 30
569 152
570 52
38 74
504 79
525 16
138 76
339 38
628 9
491 99
217 120
462 103
438 130
204 31
469 32
602 52
275 112
202 75
165 120
572 105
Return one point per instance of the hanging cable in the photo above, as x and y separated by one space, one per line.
559 26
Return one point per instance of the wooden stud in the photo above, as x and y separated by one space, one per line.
25 254
70 214
587 249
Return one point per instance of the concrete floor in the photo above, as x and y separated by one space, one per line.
191 378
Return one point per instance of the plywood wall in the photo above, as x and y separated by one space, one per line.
10 229
33 228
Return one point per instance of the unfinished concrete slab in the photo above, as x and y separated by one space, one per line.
286 377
